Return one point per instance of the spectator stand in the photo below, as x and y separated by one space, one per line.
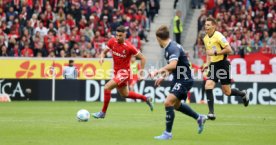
73 28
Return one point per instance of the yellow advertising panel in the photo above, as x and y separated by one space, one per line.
29 68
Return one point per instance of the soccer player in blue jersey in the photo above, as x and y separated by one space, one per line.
179 66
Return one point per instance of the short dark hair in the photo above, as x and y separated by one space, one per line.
163 32
214 22
121 29
71 61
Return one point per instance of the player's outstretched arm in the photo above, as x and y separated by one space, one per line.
142 65
169 67
103 54
166 70
142 58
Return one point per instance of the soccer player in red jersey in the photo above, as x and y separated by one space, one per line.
122 51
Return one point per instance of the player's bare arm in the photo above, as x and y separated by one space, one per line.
164 71
142 64
142 58
169 67
103 54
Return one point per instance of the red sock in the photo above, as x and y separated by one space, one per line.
134 95
107 96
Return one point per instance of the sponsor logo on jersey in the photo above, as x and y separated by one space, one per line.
118 54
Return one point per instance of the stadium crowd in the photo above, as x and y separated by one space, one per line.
249 25
70 28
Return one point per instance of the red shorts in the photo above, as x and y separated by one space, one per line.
121 80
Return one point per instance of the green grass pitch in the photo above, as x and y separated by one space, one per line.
54 123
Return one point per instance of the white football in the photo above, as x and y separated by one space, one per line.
83 115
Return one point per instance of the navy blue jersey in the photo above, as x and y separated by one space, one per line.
175 51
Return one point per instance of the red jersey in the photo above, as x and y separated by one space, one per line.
121 54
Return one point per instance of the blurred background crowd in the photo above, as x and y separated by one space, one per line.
248 25
71 28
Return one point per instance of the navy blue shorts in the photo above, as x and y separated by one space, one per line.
181 87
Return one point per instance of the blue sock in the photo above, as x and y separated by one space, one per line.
169 118
184 108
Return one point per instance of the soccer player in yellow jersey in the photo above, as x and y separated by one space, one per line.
217 49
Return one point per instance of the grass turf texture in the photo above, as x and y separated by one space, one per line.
48 123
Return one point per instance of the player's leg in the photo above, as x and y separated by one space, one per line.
209 86
132 82
131 87
186 109
225 85
109 86
211 81
235 92
107 96
124 92
181 93
169 107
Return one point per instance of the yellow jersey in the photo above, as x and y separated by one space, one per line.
134 67
216 42
175 29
